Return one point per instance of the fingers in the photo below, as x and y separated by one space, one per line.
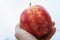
17 31
17 36
52 32
24 35
53 23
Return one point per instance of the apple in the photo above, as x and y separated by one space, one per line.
36 20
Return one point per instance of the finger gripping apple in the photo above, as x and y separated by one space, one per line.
36 20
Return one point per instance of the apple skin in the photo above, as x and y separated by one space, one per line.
36 20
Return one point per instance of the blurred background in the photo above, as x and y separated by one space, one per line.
10 11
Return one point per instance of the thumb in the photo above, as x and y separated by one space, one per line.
52 32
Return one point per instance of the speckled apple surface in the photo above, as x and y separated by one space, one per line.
36 20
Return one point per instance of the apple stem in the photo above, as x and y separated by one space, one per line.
30 4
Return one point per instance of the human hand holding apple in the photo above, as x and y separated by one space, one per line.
37 21
22 34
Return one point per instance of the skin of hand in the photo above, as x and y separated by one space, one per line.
19 34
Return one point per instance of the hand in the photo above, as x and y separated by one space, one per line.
21 34
52 32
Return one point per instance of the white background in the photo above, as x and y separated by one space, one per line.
10 11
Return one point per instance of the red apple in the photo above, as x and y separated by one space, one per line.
36 20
